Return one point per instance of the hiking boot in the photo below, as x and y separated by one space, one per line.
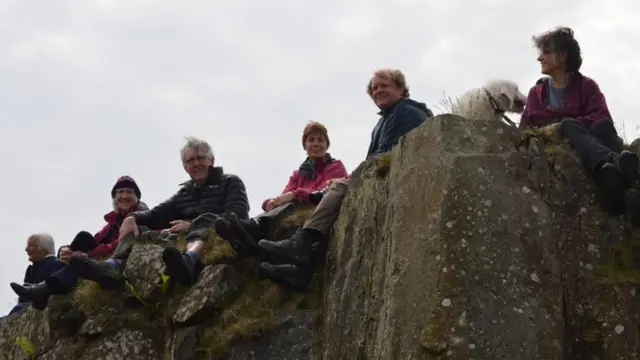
609 177
289 275
105 273
37 294
612 182
180 266
627 163
238 233
297 249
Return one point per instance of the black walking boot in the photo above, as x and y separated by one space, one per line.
297 249
289 275
627 163
180 266
37 294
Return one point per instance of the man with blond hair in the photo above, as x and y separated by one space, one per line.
399 114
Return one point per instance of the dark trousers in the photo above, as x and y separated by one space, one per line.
63 280
596 143
200 226
84 242
269 219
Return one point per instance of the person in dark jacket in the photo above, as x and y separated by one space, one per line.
399 115
192 210
305 187
571 103
41 252
125 196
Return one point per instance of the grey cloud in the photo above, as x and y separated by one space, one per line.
93 90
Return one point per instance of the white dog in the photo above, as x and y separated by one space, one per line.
491 101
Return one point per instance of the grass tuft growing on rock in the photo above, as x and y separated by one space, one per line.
90 298
217 250
250 315
621 265
383 165
255 311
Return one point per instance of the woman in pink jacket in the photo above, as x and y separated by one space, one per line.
305 187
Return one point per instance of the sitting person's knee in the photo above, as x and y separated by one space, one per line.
568 122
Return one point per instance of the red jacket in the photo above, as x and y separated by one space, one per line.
312 176
108 237
582 101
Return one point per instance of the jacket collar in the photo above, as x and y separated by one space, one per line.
385 112
308 167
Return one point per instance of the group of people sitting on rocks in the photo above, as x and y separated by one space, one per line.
564 101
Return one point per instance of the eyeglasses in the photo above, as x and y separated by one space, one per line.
192 160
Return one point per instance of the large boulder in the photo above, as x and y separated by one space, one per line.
481 242
229 312
469 240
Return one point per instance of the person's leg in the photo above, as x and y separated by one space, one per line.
243 235
627 161
601 161
607 134
593 152
298 248
184 267
106 273
84 242
60 282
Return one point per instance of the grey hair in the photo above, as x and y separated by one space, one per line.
196 144
45 242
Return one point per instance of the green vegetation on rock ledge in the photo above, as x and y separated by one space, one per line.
238 316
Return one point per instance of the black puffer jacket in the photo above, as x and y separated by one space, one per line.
220 194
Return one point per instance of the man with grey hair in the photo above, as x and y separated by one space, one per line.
209 194
41 250
125 195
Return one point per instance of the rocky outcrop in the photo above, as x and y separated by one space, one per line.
228 313
469 240
480 243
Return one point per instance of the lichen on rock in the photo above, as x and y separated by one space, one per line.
228 306
482 242
470 239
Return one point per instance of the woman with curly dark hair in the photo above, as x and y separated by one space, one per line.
571 103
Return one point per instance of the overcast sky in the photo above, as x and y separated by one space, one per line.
91 90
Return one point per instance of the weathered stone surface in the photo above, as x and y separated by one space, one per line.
29 327
144 269
470 240
124 345
291 339
183 344
63 349
98 322
469 248
215 287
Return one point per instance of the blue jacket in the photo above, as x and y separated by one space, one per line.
396 122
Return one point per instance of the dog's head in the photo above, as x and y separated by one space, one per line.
507 95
